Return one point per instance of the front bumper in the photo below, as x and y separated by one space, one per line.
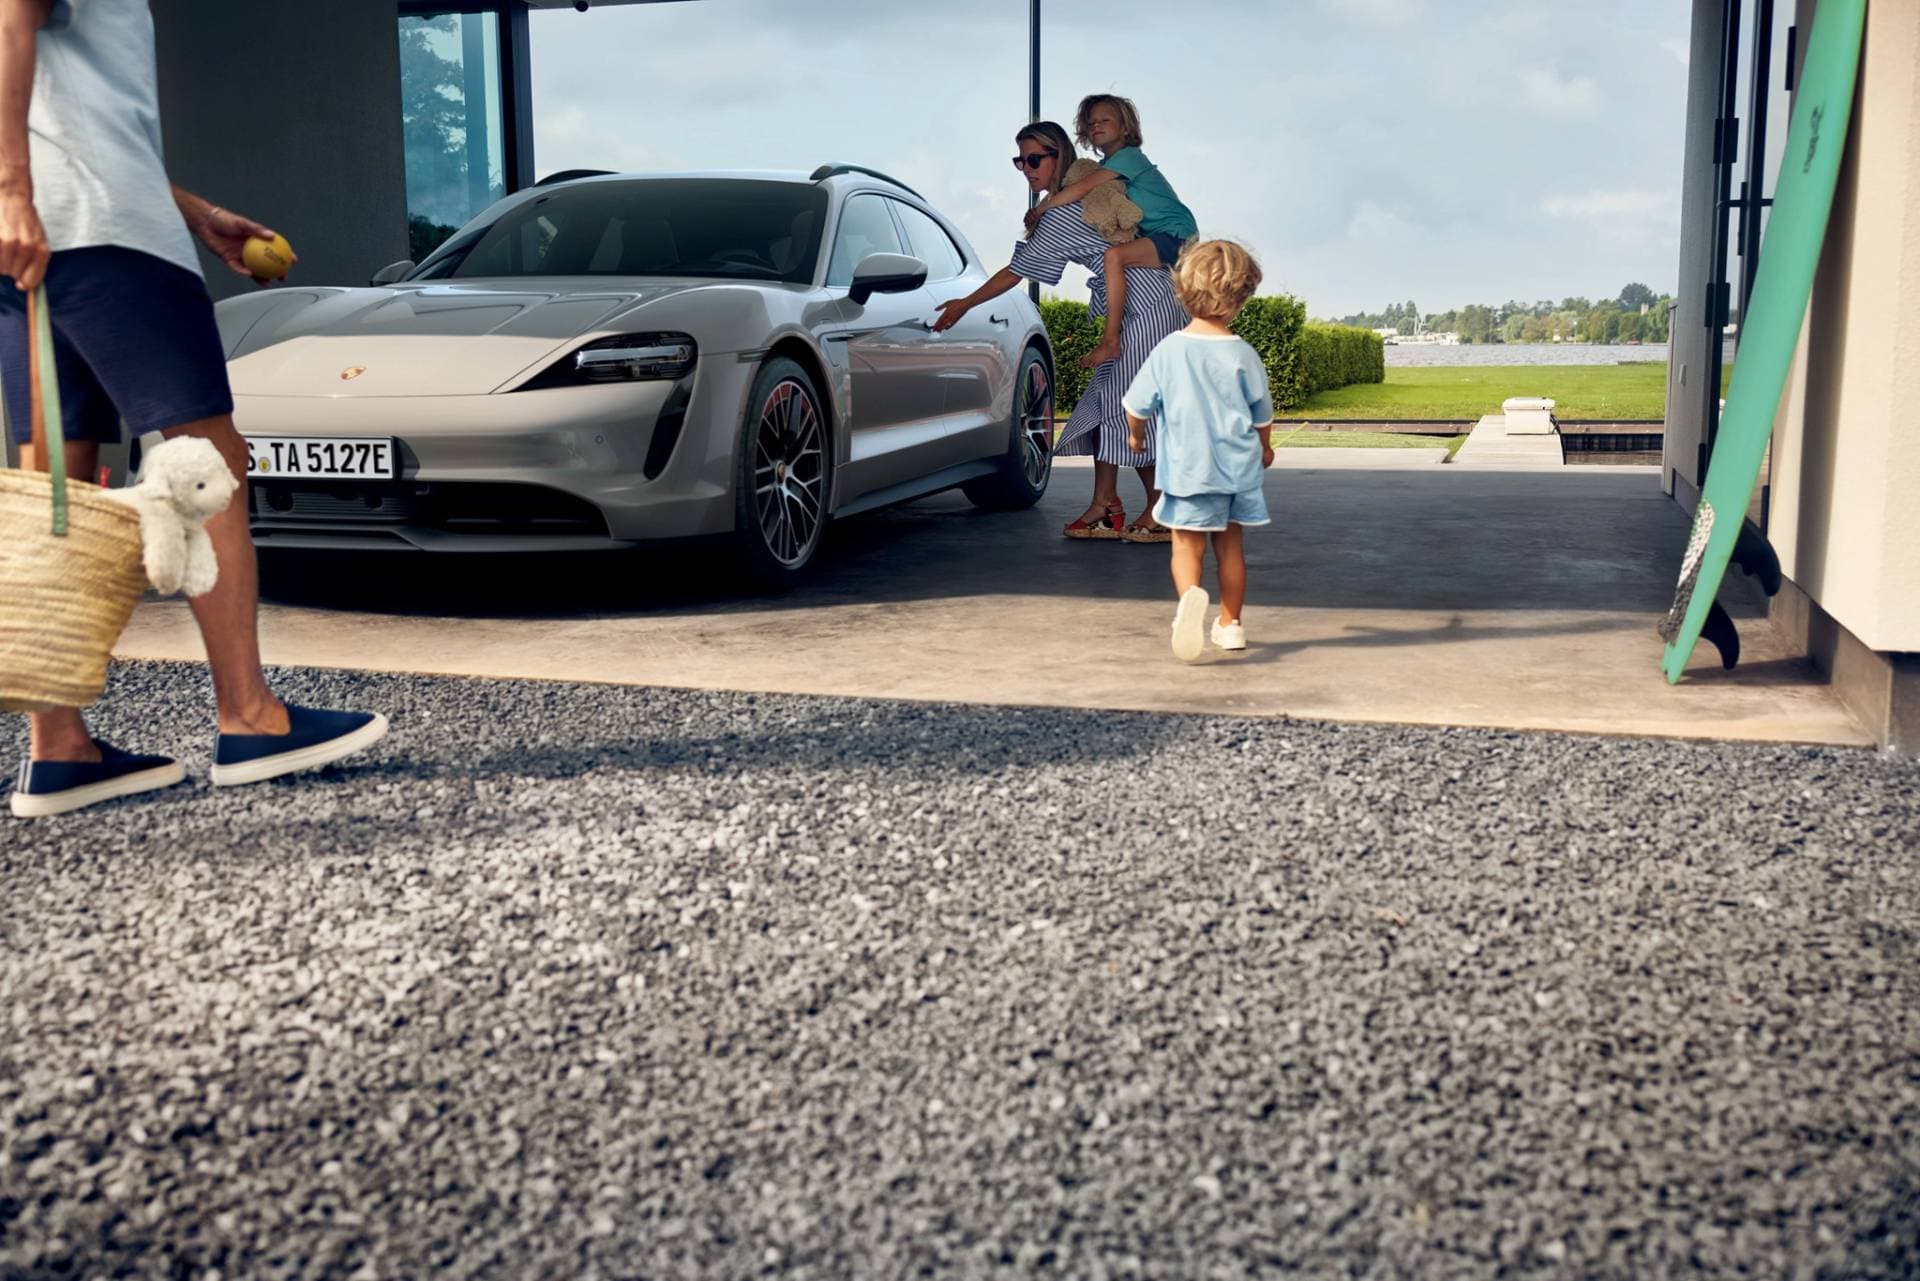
562 469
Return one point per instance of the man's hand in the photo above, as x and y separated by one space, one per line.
950 313
1136 439
226 233
23 241
1266 449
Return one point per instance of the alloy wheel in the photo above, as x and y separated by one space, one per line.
789 472
1036 424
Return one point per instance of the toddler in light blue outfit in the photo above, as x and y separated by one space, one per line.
1204 393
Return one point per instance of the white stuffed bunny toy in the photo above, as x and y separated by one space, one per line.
184 483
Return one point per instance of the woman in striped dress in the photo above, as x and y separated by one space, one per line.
1098 425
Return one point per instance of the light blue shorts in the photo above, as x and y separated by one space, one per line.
1211 513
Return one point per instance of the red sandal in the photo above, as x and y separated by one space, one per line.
1109 524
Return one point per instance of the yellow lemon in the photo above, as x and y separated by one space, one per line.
267 259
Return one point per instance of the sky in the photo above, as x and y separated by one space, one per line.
1367 151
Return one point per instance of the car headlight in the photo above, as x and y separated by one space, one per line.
621 358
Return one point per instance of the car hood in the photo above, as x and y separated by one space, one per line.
429 340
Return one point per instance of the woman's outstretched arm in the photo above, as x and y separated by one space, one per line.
954 308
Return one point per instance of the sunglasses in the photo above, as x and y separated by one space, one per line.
1033 161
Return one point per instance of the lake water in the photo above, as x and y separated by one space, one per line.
1435 355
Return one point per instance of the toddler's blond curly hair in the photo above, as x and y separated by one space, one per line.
1214 278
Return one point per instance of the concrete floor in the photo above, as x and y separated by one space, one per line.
1420 593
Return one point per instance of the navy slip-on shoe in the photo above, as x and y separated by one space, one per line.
54 787
313 738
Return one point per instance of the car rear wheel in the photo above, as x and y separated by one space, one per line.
1028 465
783 469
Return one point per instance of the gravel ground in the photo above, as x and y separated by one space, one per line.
580 981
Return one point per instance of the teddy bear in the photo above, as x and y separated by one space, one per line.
184 483
1106 208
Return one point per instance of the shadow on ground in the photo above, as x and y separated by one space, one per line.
1424 539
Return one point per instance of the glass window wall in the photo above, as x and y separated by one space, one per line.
452 116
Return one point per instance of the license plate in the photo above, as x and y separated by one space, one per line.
323 457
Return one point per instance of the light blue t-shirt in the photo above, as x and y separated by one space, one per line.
93 133
1206 397
1160 210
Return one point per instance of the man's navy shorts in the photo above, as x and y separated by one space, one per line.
133 338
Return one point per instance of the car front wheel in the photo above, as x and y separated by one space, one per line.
1028 464
783 467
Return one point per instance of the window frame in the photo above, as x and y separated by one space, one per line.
839 225
906 239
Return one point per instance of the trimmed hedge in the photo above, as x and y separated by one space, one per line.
1301 359
1339 356
1073 331
1271 327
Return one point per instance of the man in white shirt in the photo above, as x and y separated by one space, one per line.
86 209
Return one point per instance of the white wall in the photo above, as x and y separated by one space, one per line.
1846 467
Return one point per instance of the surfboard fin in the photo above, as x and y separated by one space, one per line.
1720 630
1757 560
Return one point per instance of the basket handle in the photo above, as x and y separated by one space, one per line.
49 437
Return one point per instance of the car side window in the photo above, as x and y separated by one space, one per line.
865 228
929 242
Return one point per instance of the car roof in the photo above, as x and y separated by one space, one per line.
839 176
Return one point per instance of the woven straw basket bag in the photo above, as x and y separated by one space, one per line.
70 562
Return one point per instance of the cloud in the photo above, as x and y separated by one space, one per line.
1679 47
1352 143
1637 203
1546 92
571 137
1386 13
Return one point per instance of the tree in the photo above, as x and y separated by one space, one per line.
1636 296
1602 324
1476 324
1659 321
433 128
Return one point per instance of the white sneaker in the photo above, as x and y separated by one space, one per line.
1229 635
1187 618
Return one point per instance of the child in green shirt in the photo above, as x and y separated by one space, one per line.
1109 124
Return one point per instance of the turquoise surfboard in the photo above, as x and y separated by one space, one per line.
1770 328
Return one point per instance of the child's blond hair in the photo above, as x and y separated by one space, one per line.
1123 107
1214 279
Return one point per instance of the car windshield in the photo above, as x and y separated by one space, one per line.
739 227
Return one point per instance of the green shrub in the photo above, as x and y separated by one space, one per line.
1339 356
1271 327
1073 331
1301 359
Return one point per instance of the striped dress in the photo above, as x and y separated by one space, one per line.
1098 425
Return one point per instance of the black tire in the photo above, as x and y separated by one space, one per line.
783 475
1028 465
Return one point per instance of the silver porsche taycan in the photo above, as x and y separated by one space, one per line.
612 359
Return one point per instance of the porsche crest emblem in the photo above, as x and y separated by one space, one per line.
352 371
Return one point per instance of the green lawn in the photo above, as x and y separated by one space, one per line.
1624 392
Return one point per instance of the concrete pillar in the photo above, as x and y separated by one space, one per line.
290 113
1691 340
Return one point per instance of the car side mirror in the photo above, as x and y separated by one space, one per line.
392 272
886 274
